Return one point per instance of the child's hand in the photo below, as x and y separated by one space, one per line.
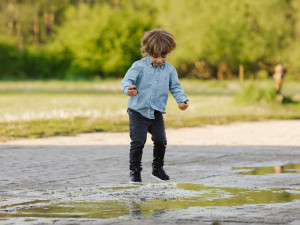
183 105
131 90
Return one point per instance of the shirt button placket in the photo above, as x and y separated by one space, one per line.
152 99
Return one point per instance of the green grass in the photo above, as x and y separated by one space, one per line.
253 93
38 109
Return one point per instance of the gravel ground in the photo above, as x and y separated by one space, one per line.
71 174
211 184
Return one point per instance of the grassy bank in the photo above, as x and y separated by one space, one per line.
38 109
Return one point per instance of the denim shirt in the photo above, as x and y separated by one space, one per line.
153 84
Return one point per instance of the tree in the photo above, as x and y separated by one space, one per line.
88 38
227 33
292 53
30 21
104 39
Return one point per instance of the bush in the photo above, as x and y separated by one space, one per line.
10 61
253 93
33 63
262 74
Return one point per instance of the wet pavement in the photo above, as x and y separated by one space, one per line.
210 185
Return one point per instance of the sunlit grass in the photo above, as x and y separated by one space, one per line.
37 109
61 86
33 106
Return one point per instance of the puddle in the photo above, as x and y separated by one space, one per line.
287 168
24 204
139 201
29 220
119 188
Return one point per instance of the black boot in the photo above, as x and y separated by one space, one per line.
135 177
160 174
135 166
158 161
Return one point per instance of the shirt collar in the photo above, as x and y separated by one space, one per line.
152 64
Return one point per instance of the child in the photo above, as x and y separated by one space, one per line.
278 77
148 82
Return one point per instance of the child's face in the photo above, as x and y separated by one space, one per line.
158 60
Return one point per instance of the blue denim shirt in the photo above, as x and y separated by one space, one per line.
153 85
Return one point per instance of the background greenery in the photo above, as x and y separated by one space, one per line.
61 61
88 39
46 108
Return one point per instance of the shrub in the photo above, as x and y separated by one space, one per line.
253 93
262 74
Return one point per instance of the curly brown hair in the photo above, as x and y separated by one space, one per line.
157 42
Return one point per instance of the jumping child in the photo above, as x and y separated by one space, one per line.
148 82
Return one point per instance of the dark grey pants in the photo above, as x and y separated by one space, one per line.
139 127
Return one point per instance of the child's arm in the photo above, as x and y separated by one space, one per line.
177 91
129 80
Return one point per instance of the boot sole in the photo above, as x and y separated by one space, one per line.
137 183
158 178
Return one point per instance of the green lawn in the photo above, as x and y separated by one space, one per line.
37 108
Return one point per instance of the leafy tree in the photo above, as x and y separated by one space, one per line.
30 21
227 33
104 39
66 39
292 53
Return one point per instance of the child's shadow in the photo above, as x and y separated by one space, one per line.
289 100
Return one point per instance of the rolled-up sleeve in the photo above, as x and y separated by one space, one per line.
131 77
175 87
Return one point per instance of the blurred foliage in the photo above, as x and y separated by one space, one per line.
253 93
46 108
103 40
262 74
216 36
85 39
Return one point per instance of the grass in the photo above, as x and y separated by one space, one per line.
38 109
253 93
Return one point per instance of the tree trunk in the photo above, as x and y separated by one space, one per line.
221 70
48 22
36 29
20 36
13 13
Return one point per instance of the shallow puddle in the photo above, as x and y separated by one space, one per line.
119 188
138 201
25 204
287 168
